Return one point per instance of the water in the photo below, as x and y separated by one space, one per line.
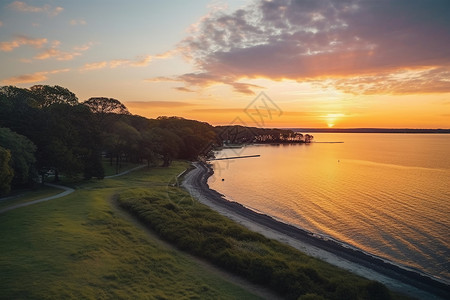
386 194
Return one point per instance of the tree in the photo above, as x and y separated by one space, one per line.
121 140
22 155
69 142
106 107
308 138
168 144
17 109
6 172
46 95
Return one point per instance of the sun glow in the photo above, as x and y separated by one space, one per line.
332 118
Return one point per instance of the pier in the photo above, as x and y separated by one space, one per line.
234 157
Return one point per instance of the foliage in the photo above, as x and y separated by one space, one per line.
6 172
71 138
22 155
240 134
197 229
46 95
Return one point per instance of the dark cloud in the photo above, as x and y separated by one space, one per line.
349 41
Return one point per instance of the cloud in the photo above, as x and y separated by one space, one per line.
75 22
84 47
20 41
205 79
56 54
428 80
141 61
1 23
94 66
253 111
34 77
154 104
138 62
314 40
167 54
183 89
23 7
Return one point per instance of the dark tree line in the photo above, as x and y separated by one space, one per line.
241 135
45 129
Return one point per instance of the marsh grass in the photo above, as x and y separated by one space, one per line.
80 247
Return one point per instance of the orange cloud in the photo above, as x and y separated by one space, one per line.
20 41
34 77
94 66
57 54
138 62
23 7
154 104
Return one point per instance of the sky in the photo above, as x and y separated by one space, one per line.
278 63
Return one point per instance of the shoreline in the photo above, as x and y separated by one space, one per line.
393 276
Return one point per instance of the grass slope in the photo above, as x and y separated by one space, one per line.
195 228
79 247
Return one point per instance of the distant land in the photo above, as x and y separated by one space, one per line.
370 130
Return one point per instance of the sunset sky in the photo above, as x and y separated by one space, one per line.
340 64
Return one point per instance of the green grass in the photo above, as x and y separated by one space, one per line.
111 169
81 247
41 192
195 228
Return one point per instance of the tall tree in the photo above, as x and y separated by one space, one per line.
6 172
106 108
22 155
46 95
17 109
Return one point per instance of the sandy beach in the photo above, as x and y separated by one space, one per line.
358 262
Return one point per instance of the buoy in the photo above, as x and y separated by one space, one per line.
223 179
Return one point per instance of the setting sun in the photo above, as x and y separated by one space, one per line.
331 119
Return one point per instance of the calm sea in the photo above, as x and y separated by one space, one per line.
386 194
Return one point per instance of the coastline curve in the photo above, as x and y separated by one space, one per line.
354 260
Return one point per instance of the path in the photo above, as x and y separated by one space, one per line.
126 172
67 191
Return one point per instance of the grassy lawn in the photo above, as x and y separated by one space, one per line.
28 196
80 246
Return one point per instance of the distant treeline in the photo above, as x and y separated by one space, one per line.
45 129
237 134
372 130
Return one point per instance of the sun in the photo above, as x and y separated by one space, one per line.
332 118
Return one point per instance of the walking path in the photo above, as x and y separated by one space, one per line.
67 191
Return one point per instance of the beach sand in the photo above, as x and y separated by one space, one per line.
394 277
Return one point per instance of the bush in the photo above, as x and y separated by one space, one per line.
201 231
